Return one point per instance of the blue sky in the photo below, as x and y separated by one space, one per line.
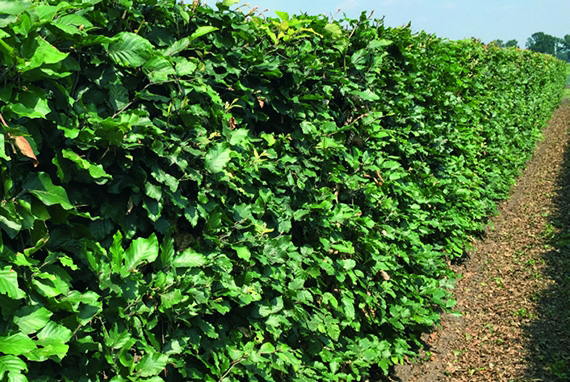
454 19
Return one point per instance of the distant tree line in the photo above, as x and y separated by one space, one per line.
543 43
508 44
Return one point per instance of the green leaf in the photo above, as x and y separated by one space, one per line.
17 377
44 54
224 5
168 300
177 47
5 21
273 307
10 220
284 16
217 158
3 154
72 24
47 12
95 170
189 258
9 284
50 348
167 251
10 363
30 319
390 165
238 135
68 262
141 250
117 252
329 298
16 344
345 247
243 253
117 339
40 185
151 364
208 329
185 67
53 282
130 50
32 103
89 308
270 138
201 31
371 354
53 332
267 348
334 29
13 7
348 307
153 190
366 95
348 264
158 69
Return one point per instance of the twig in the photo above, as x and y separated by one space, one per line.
3 121
231 367
131 102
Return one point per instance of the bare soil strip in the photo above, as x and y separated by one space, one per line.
515 289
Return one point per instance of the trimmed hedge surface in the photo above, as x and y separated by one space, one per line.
207 194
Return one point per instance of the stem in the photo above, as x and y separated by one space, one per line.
3 121
231 367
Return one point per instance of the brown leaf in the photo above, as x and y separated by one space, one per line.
232 123
385 275
261 102
24 146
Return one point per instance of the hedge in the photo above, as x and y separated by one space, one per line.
191 193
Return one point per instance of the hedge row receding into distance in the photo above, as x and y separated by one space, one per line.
204 194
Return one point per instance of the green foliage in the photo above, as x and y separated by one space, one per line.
200 194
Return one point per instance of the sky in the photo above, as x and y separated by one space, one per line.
454 19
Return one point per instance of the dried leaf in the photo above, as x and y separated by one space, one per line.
385 275
24 146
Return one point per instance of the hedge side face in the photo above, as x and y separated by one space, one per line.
200 194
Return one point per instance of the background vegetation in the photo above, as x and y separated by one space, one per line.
205 194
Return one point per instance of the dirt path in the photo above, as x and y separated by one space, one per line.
515 290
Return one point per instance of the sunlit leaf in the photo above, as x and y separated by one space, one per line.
140 251
189 258
217 158
12 7
10 363
201 31
151 364
30 319
334 30
16 344
31 104
130 50
9 284
41 186
96 171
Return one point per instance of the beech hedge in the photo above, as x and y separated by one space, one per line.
210 194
